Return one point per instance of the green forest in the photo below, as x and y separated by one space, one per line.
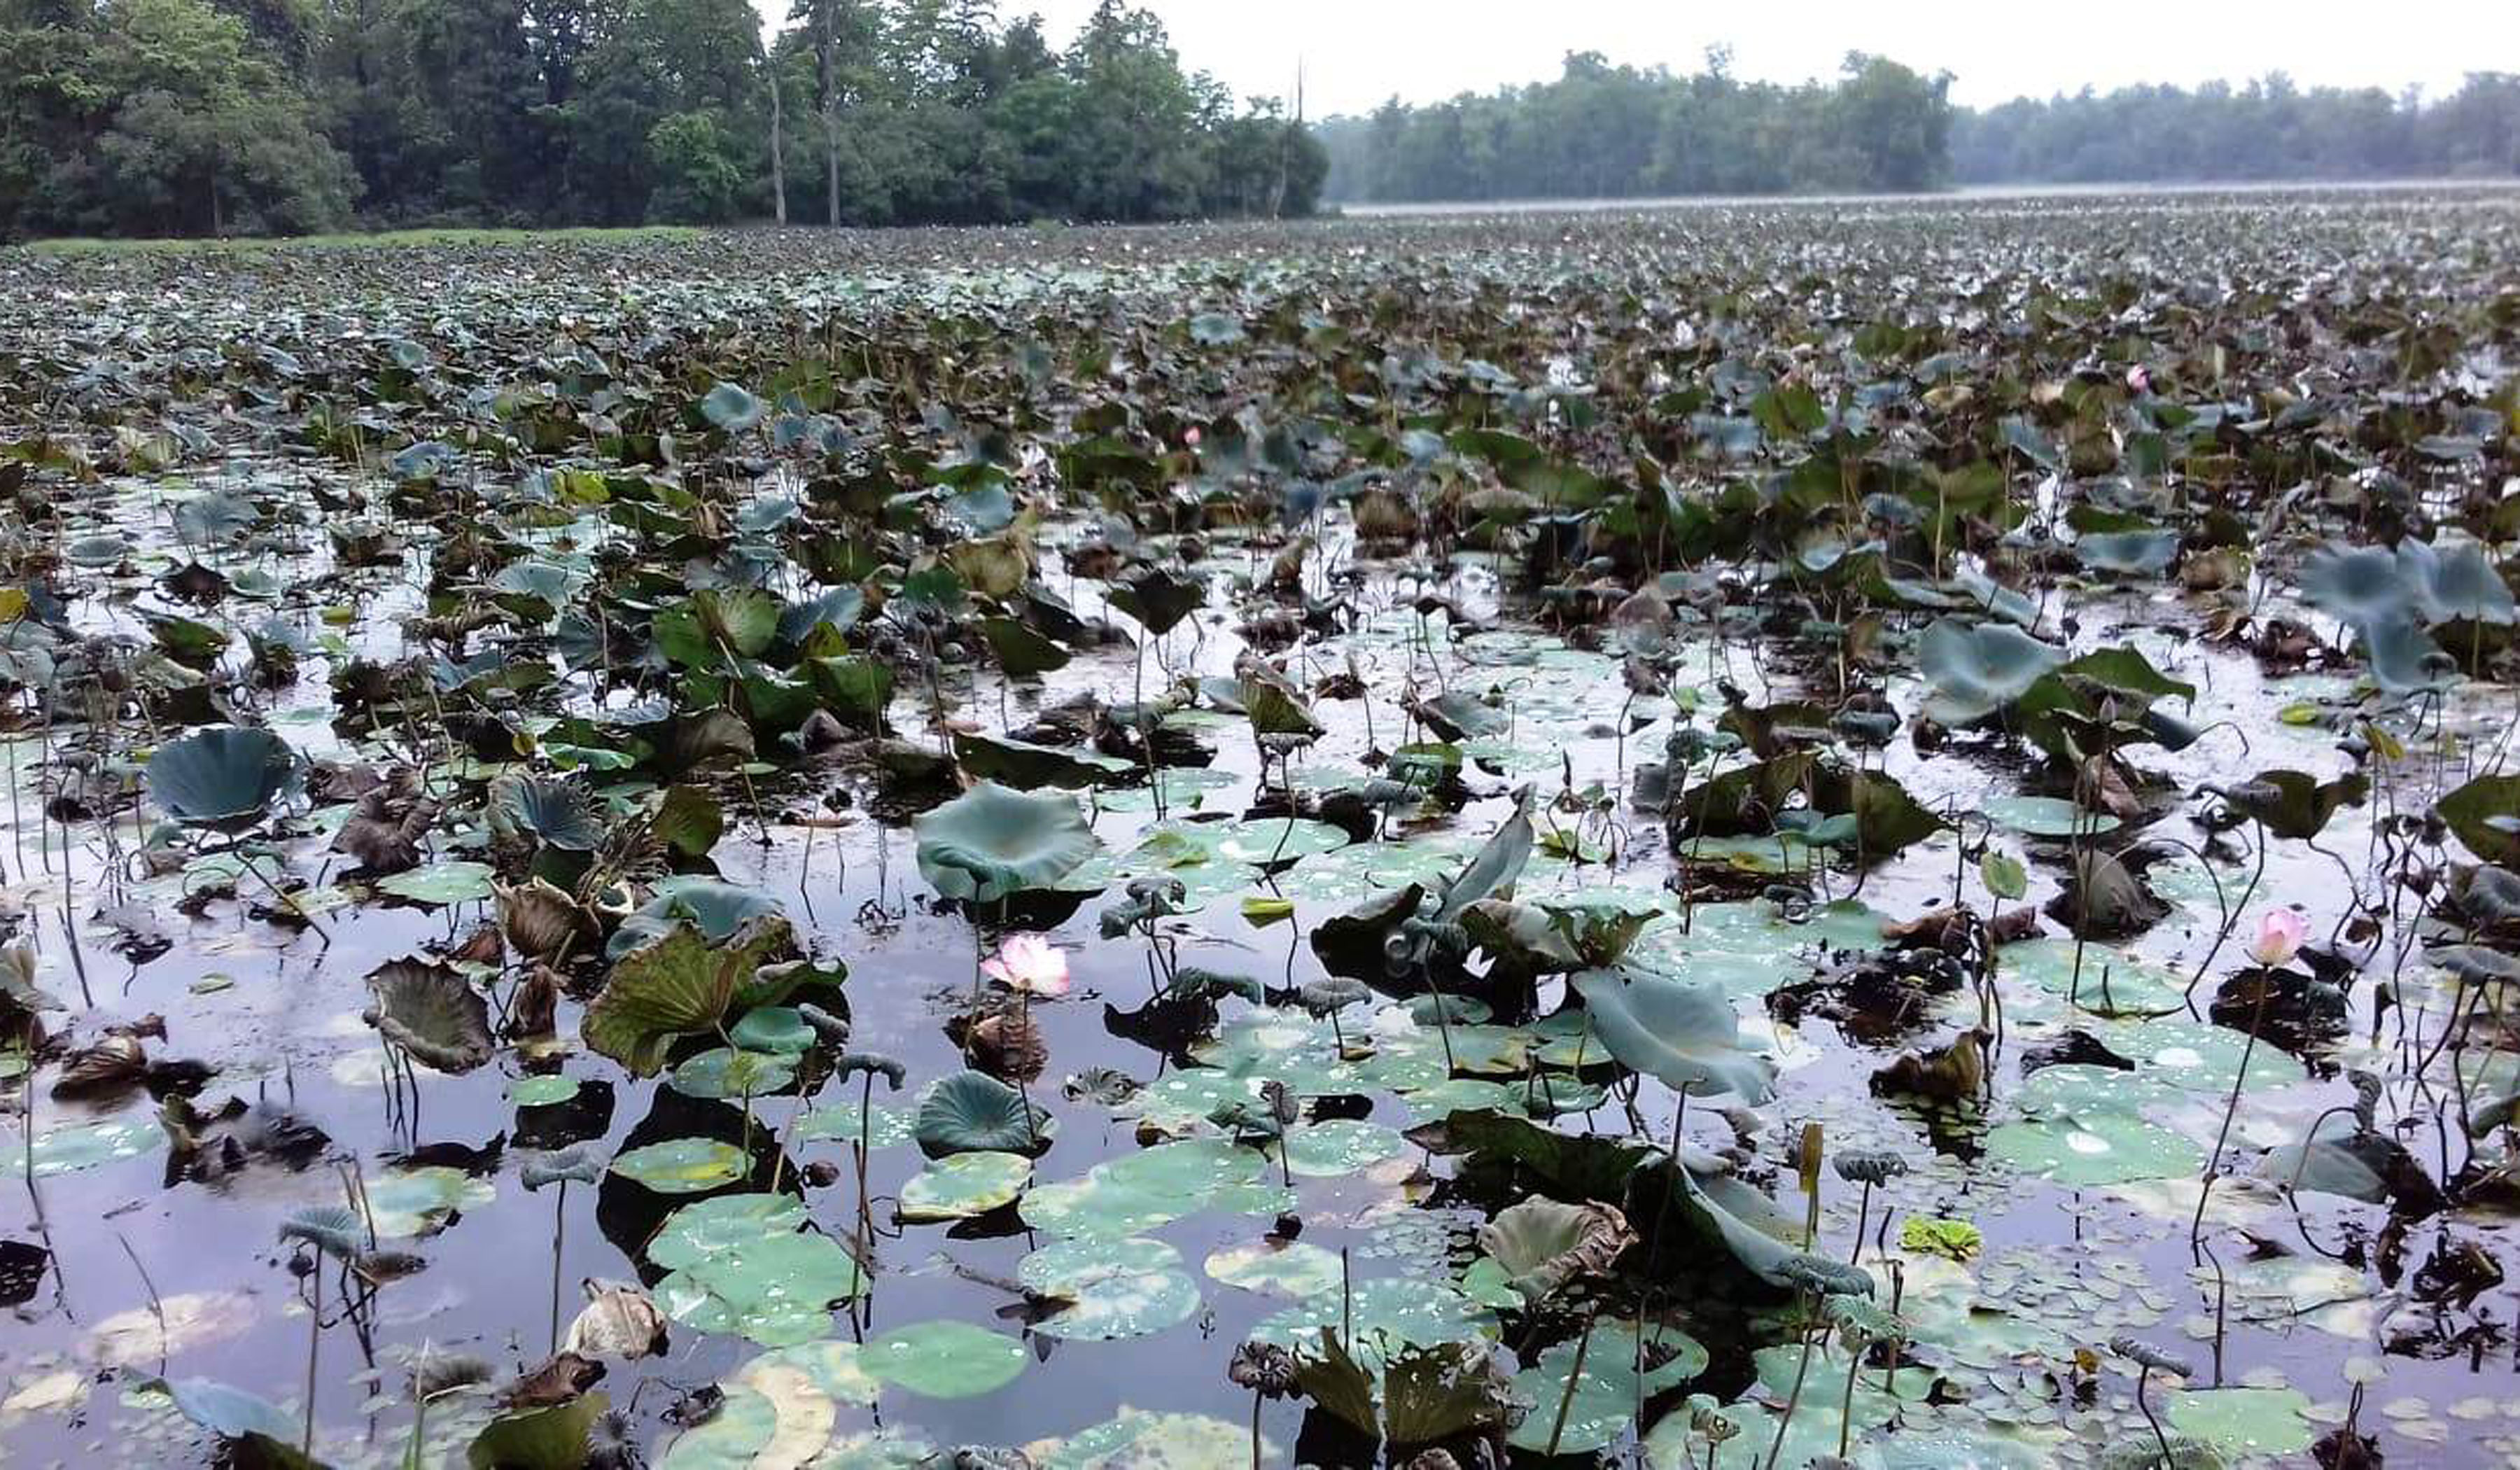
1605 131
287 116
192 117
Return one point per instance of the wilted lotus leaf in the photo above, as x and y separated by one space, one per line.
619 1321
431 1011
544 923
990 843
676 987
224 777
1543 1243
385 830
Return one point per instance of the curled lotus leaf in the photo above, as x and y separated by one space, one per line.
431 1011
1687 1037
1543 1243
1976 670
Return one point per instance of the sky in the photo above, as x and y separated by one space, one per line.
1356 52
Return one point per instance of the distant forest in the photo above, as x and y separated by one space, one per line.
1603 131
289 116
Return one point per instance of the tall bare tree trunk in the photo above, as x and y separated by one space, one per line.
831 160
830 84
778 148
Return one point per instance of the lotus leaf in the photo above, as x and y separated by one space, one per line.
991 843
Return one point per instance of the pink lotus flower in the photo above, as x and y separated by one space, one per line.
2138 380
1028 962
1191 436
2279 935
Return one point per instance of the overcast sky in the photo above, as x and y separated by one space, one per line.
1358 51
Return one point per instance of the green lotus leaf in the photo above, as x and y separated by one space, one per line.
266 1435
990 843
732 1439
971 1111
74 1146
423 1200
1021 651
1278 1267
440 883
1158 599
1607 1392
1026 766
965 1185
1685 1037
719 910
723 1223
548 1091
944 1359
684 1166
723 1072
557 812
224 777
2128 553
1115 1287
777 1291
2046 817
557 1438
732 409
1140 1440
886 1126
1339 1146
2244 1425
1976 670
1385 1314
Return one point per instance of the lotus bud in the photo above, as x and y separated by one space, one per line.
2279 935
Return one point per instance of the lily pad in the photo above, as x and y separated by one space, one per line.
965 1185
944 1359
990 843
1119 1287
684 1166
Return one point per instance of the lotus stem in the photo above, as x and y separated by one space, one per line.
1347 1308
1574 1377
1794 1398
2143 1374
559 1222
314 1338
2248 1049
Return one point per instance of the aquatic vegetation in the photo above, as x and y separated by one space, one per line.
1660 838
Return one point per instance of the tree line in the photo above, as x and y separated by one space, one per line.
2267 129
234 116
1603 131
